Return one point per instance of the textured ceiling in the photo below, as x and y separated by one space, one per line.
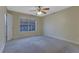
28 9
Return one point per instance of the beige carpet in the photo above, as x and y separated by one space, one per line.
40 44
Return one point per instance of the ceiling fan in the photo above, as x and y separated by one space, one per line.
41 10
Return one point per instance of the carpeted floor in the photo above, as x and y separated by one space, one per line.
40 44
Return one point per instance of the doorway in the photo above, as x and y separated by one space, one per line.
9 26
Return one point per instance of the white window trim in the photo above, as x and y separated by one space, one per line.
28 28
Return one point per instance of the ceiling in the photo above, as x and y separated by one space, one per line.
28 9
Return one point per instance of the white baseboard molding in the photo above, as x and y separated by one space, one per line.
61 38
24 37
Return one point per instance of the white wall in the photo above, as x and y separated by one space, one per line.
63 25
2 27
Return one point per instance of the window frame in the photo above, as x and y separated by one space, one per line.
21 18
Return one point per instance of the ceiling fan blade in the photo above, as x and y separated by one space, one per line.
44 12
45 8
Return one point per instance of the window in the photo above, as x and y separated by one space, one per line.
27 25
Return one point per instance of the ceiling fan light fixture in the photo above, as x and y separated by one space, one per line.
39 13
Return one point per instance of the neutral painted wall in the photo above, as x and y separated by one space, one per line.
2 27
63 24
16 25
